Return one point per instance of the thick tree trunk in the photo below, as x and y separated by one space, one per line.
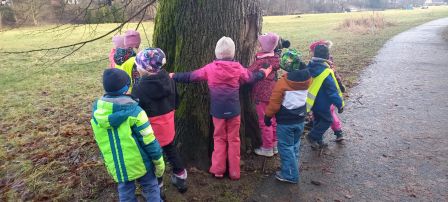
187 30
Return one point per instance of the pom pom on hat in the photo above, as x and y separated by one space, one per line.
291 60
150 59
132 39
118 41
115 81
268 41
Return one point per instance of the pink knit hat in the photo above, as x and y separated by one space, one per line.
132 39
268 41
118 41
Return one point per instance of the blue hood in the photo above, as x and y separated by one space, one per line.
328 93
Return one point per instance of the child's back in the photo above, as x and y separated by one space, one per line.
224 78
126 139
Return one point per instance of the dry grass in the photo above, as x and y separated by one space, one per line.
370 24
46 147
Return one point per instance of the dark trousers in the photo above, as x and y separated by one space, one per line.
322 121
173 158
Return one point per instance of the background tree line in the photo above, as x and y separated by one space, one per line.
36 12
283 7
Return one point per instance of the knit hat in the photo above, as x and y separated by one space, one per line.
118 41
225 48
132 39
150 59
291 60
320 42
123 54
322 51
299 75
115 81
268 41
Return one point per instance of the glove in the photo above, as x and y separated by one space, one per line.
267 121
266 71
159 166
340 110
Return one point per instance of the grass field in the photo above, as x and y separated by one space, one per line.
47 150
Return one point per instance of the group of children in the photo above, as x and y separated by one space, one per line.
133 122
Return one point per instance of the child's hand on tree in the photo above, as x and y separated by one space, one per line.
171 75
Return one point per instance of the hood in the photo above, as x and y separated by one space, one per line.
113 111
226 69
155 86
297 85
317 66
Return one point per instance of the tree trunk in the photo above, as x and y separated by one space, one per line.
187 30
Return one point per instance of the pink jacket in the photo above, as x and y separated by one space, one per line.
263 89
111 58
224 79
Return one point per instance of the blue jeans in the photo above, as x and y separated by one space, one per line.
289 149
150 189
322 121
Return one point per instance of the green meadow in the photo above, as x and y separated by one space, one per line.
47 149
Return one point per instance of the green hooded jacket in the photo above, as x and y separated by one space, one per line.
125 138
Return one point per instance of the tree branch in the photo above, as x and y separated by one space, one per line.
82 43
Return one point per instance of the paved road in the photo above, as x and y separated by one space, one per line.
397 122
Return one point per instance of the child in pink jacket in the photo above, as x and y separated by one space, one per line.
262 91
336 126
224 77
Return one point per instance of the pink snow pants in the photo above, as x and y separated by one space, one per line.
336 125
226 138
268 133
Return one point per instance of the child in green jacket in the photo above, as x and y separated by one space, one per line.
126 140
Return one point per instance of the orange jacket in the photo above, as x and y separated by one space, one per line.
288 96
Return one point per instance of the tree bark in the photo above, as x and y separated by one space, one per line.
187 30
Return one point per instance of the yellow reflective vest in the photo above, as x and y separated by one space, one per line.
315 87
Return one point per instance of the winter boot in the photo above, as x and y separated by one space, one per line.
264 152
179 181
339 136
315 145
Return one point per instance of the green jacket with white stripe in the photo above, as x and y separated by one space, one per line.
125 138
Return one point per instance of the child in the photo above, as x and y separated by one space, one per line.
131 41
287 103
262 91
323 93
126 140
122 55
336 125
118 42
224 77
158 97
